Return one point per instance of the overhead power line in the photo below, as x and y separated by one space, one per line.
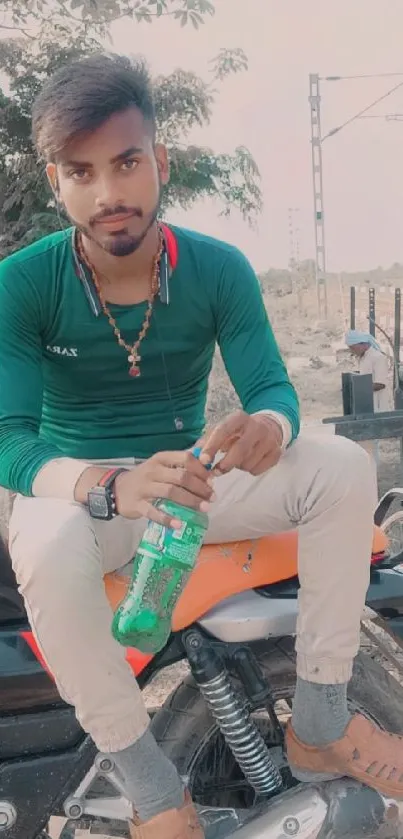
363 111
362 76
317 170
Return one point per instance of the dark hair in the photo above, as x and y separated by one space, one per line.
84 94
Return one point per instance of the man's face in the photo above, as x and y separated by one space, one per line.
358 350
110 182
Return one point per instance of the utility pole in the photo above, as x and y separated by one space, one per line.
294 261
317 141
317 180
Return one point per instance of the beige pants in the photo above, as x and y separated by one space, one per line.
322 485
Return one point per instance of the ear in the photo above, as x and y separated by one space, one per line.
161 156
51 172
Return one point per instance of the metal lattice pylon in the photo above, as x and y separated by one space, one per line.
317 179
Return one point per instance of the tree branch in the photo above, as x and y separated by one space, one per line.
11 28
86 22
106 21
18 29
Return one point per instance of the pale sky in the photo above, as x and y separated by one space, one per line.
267 110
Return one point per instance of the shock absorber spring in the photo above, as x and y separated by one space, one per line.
232 716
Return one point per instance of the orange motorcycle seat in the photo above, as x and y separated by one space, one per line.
228 569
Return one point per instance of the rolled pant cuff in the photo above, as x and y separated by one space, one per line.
324 671
123 735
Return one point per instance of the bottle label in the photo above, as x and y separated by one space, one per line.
178 548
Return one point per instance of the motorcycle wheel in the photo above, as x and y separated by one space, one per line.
187 733
392 526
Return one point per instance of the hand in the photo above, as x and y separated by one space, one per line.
250 443
176 476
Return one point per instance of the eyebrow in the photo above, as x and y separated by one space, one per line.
123 155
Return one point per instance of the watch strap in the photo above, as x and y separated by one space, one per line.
109 478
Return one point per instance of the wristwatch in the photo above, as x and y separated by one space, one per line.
101 498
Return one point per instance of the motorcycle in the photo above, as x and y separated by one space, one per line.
223 726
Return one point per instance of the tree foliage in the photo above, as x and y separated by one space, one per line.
97 15
183 102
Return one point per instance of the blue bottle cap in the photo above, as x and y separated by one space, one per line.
196 452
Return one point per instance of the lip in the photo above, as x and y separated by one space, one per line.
115 222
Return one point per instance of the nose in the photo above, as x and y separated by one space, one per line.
108 192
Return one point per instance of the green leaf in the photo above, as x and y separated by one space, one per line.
205 7
229 61
196 19
143 16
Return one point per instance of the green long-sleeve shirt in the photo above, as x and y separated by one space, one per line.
64 383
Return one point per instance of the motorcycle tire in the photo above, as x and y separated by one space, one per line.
187 733
389 527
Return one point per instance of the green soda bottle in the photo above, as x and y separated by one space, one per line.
163 563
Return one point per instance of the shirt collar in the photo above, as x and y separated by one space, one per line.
169 261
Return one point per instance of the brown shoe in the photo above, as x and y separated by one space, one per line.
173 824
365 753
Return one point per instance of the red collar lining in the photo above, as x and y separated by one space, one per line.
171 245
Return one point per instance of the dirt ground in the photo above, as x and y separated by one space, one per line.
310 347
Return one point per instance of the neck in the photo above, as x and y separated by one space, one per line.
116 269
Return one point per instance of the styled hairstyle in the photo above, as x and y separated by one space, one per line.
82 95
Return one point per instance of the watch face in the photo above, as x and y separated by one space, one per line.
98 505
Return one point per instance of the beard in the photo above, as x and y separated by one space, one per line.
121 243
125 243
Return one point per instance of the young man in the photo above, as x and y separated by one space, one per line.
107 334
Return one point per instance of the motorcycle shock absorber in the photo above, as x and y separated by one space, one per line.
231 714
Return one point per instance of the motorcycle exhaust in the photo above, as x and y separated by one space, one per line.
335 810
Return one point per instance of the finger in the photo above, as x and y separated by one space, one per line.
256 458
196 452
253 456
184 460
232 460
217 439
178 495
266 463
257 463
198 449
148 511
187 480
240 452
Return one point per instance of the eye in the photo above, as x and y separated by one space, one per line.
129 165
78 174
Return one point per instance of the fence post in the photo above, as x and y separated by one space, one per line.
352 307
371 311
396 342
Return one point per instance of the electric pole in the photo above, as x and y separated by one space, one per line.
294 262
317 141
317 180
291 247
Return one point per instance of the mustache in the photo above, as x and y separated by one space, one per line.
119 210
